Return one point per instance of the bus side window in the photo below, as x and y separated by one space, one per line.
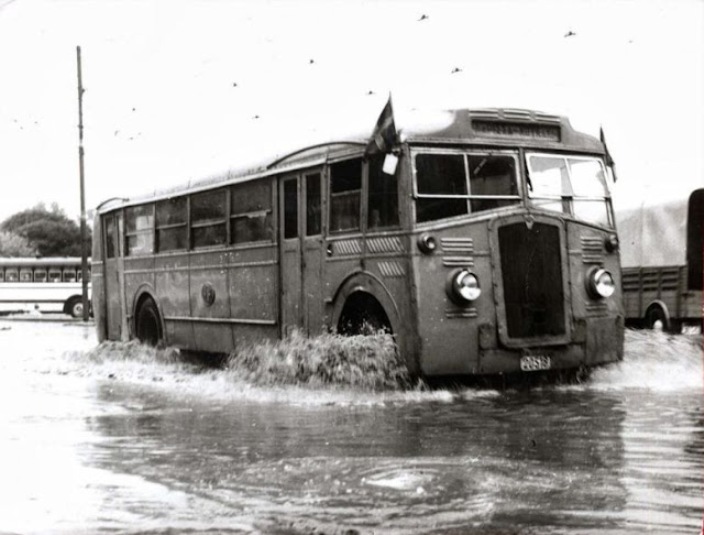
11 275
290 208
251 212
172 224
26 275
69 275
139 229
313 205
208 218
40 275
383 195
54 275
345 194
110 241
2 275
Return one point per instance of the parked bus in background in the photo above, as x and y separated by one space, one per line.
483 240
49 284
662 249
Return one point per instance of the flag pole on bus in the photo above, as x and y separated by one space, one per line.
384 133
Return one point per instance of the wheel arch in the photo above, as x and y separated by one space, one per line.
144 292
366 282
658 304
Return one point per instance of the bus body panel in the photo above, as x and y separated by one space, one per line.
172 289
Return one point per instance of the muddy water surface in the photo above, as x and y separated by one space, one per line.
120 441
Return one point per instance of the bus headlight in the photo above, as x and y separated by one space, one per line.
463 287
600 283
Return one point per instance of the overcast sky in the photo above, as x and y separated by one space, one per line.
180 90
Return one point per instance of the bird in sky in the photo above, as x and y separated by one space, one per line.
456 69
423 17
311 61
570 34
234 84
370 92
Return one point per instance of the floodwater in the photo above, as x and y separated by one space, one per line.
110 441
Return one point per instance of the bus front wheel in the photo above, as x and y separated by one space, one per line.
148 324
75 307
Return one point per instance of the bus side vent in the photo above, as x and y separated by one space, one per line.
384 245
457 245
454 313
457 261
391 269
596 309
348 247
592 250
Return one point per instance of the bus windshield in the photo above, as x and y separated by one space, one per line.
452 184
574 185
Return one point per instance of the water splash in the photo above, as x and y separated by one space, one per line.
654 360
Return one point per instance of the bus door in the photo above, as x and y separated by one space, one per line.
116 321
301 253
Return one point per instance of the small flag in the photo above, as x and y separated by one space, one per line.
609 159
384 134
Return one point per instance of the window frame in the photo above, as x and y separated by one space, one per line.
567 201
465 152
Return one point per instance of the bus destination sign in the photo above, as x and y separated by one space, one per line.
543 132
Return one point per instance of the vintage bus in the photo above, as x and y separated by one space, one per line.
662 253
483 240
44 284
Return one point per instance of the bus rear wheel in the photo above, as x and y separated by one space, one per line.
148 324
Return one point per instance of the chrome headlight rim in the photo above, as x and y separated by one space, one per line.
463 287
600 283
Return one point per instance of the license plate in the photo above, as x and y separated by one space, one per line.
533 363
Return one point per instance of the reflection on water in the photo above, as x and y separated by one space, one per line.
126 443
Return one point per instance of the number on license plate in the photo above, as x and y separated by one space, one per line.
532 363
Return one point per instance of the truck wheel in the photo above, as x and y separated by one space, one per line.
655 318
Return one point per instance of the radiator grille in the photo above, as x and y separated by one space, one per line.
532 277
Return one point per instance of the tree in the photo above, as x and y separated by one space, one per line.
12 245
50 232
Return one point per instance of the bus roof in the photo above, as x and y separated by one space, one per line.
41 261
491 127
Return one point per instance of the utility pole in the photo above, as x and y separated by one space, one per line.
84 244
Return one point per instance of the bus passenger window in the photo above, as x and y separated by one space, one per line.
251 213
313 205
39 275
69 275
383 195
172 224
139 229
492 175
345 193
11 275
443 176
54 275
2 276
290 209
208 219
26 275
